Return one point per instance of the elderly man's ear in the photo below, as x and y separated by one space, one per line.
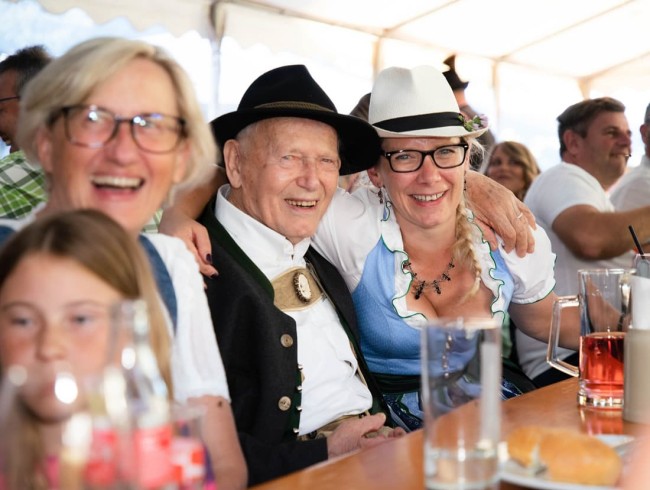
374 176
232 162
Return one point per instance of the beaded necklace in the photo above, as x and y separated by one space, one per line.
420 285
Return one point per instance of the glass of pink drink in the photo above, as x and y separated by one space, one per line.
604 303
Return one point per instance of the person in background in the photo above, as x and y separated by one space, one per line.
59 278
487 139
570 202
633 189
355 180
117 127
22 184
513 166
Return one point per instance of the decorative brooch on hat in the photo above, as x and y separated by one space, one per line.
473 124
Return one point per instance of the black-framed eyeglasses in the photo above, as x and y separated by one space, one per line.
403 161
93 127
5 99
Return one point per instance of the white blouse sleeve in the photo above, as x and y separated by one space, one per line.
197 368
533 274
348 232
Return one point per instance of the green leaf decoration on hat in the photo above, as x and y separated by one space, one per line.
471 125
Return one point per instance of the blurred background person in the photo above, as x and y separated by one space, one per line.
353 181
487 139
513 166
633 189
22 183
571 202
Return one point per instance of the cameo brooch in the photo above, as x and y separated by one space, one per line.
301 286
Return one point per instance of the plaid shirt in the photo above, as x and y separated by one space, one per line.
22 188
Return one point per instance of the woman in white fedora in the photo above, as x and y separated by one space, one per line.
409 249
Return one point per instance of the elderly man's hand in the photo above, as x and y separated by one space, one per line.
360 433
499 211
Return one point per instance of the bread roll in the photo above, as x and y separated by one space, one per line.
567 455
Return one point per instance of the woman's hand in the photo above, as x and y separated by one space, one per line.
176 223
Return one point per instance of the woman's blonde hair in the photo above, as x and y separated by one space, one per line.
71 79
463 251
522 156
104 248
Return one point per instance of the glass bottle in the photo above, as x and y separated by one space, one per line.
137 403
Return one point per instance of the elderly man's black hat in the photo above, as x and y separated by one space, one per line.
290 91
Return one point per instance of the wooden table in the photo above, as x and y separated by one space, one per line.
397 465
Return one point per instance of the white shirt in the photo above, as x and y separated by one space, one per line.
633 189
554 191
196 364
330 388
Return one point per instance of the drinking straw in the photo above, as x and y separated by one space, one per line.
636 242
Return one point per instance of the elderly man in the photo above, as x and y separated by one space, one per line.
570 202
282 314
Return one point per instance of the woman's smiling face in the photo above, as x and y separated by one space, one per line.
428 196
506 171
121 179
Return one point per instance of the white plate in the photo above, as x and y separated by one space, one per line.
513 472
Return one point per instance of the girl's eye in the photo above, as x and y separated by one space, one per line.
21 321
81 319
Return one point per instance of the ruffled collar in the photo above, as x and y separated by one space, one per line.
392 239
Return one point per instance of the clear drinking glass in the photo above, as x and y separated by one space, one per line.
461 389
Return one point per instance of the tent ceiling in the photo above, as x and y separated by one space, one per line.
586 40
177 16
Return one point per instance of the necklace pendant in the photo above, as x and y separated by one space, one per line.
418 290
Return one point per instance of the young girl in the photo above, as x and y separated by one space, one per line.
59 278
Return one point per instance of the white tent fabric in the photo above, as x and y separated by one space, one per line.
177 16
526 60
592 41
585 40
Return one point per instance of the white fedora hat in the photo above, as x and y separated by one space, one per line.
418 102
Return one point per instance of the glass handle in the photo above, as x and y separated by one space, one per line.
554 336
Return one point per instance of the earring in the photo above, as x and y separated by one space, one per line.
380 195
465 183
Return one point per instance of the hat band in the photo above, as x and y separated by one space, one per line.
421 121
293 105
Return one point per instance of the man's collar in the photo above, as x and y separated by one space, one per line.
259 242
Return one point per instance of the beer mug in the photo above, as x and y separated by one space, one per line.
604 302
